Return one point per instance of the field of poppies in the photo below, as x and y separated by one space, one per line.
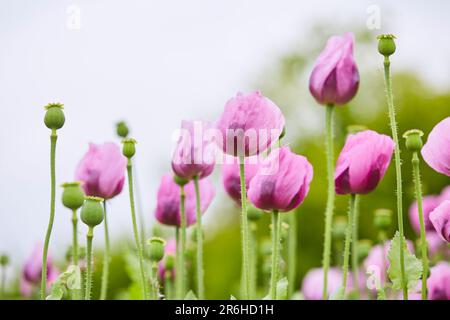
269 181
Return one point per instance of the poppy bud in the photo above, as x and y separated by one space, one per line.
383 218
122 129
4 260
92 211
54 117
129 147
386 44
156 248
413 139
73 195
169 262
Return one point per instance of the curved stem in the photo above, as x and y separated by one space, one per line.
348 240
76 293
398 172
136 232
200 279
330 198
276 226
292 252
89 237
105 273
423 237
53 138
244 232
354 254
183 243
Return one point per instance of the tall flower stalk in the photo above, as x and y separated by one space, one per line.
414 144
244 232
181 270
199 241
348 241
106 258
292 252
355 254
129 149
386 47
54 119
276 229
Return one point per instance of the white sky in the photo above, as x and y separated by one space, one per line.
152 63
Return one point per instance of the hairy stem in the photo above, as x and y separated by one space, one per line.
348 240
398 172
53 138
354 254
292 252
200 279
104 287
89 237
330 198
182 266
76 293
244 232
178 265
276 226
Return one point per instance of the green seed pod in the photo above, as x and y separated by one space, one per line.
4 260
386 44
253 214
156 248
92 211
383 219
413 139
364 246
339 227
169 262
54 117
180 181
122 129
72 196
128 147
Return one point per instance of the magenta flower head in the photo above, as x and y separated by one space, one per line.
335 77
313 283
168 200
440 218
436 152
249 124
281 182
429 203
230 175
438 284
194 153
363 162
102 170
32 269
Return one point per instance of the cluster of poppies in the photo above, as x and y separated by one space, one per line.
261 174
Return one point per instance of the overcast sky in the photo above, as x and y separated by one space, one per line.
152 63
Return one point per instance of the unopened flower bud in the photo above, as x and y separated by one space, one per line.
122 129
413 139
253 214
54 117
383 218
92 211
169 262
386 44
156 245
129 147
339 227
72 196
4 260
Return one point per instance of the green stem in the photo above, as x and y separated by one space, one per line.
398 172
76 293
141 218
423 237
292 252
90 235
155 280
136 232
3 281
105 273
183 243
168 285
178 268
200 279
355 264
348 240
276 226
330 198
254 260
53 138
244 232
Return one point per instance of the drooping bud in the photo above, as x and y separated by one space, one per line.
156 245
54 117
339 227
92 211
413 139
386 44
122 129
129 147
382 218
73 195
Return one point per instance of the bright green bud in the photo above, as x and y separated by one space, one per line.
355 128
128 147
253 214
364 246
339 227
382 218
180 181
386 44
92 211
73 195
4 260
156 245
122 129
169 262
413 139
54 117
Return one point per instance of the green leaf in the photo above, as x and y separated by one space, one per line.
57 291
73 277
282 289
413 266
190 296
